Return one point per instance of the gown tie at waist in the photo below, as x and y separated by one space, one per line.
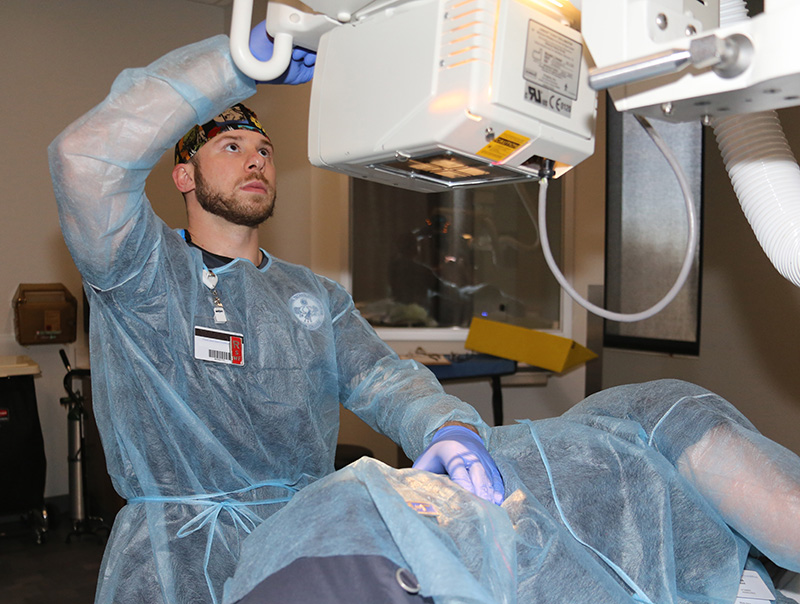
215 503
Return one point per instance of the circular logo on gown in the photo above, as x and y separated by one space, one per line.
307 309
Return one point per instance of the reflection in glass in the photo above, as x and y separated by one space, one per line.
438 259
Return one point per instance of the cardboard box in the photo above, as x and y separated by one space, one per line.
44 313
526 345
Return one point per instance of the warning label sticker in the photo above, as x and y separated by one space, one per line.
552 60
503 146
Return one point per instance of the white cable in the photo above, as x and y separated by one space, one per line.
691 243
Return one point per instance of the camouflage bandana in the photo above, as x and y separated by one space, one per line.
237 117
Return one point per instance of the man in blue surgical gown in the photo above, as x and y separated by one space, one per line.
218 369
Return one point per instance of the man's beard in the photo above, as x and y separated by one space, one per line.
229 207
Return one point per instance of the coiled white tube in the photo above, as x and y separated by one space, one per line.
692 239
764 174
731 11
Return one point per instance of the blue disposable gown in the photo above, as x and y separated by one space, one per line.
203 451
607 503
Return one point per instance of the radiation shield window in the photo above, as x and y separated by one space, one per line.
449 169
435 260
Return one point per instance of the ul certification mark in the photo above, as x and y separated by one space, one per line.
548 100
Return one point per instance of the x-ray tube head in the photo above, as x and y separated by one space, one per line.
436 94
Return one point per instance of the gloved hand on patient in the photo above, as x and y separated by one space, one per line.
301 67
460 453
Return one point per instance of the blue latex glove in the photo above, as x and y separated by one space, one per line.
460 453
301 67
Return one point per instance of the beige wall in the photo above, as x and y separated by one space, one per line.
59 59
750 326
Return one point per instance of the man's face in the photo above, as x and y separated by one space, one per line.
235 177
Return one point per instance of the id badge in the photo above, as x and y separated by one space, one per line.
218 346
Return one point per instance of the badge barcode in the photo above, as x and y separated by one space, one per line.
220 355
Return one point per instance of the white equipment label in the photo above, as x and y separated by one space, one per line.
753 590
552 68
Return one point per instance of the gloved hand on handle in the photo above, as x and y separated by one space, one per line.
460 453
301 67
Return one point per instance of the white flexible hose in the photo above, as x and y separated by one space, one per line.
764 174
732 11
765 177
692 239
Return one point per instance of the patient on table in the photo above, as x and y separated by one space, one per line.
654 492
